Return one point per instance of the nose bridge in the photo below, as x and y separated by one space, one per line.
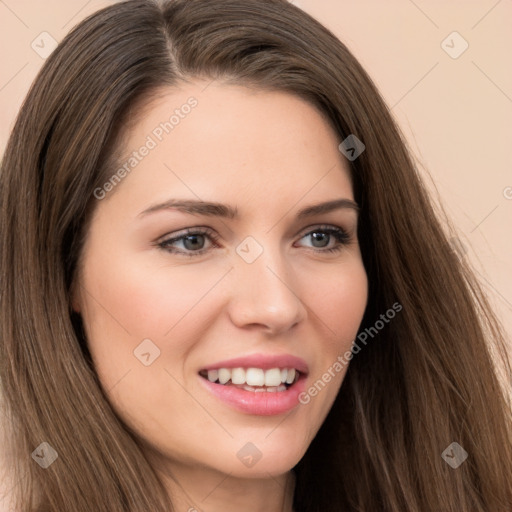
263 292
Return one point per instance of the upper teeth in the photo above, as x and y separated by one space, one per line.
253 376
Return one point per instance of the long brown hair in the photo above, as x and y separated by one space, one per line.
428 378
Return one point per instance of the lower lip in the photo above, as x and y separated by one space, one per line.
261 403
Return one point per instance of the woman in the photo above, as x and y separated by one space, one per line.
143 370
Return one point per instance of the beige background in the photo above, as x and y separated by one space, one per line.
456 112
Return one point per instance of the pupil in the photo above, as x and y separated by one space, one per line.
317 235
194 238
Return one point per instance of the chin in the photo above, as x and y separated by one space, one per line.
253 460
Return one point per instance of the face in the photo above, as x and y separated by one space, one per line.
206 325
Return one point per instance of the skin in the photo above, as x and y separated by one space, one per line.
270 154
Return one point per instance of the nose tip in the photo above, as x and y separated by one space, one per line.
264 295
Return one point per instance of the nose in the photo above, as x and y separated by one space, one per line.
265 294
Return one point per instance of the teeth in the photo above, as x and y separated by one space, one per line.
273 377
281 387
253 379
224 375
291 376
238 376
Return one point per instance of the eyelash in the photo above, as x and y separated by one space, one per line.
342 237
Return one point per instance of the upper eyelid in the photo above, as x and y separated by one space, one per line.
185 232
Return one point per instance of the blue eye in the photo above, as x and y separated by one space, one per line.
193 240
326 233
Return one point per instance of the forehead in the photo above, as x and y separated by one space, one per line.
204 139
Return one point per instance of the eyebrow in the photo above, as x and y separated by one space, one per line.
213 209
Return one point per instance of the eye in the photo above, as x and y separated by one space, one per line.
322 235
193 240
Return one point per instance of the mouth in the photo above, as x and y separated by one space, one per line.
259 384
273 380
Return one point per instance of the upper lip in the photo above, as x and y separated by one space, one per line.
263 361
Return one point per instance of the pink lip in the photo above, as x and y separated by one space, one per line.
265 362
262 403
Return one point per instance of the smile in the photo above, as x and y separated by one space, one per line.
254 379
259 384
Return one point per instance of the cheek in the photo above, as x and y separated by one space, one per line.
131 301
339 301
145 300
339 304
